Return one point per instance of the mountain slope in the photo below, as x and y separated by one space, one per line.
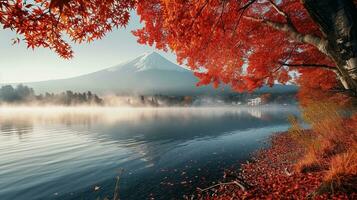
147 74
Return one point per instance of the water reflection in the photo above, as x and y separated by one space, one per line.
62 152
136 121
19 128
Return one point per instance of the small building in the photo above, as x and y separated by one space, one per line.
255 102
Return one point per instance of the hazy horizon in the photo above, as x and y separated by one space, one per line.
21 65
99 69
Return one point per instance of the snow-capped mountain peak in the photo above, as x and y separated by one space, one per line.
148 61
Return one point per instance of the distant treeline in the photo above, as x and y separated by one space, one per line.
24 94
218 100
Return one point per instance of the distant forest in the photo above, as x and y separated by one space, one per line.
23 94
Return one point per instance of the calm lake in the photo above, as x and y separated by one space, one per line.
64 153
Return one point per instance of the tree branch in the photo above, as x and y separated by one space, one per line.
334 69
278 9
241 10
199 12
246 5
285 60
220 19
316 41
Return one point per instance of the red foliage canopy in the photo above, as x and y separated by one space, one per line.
243 43
44 22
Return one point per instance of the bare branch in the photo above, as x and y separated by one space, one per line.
285 60
241 10
246 5
222 184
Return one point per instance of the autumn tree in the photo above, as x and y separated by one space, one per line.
249 43
243 43
45 23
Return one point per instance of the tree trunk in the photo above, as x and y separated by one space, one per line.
338 22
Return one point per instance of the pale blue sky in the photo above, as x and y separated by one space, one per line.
19 64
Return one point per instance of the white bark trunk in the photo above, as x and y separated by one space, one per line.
352 67
343 81
337 20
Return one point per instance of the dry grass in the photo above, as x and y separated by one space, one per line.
326 121
342 175
330 145
296 131
303 137
309 163
344 164
307 140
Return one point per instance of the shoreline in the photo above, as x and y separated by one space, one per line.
271 174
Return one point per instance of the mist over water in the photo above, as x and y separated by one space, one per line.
64 152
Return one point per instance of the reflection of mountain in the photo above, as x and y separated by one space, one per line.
147 74
149 131
145 122
195 123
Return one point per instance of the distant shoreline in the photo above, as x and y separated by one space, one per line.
50 106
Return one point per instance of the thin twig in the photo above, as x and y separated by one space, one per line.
241 10
222 184
116 190
278 9
287 172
